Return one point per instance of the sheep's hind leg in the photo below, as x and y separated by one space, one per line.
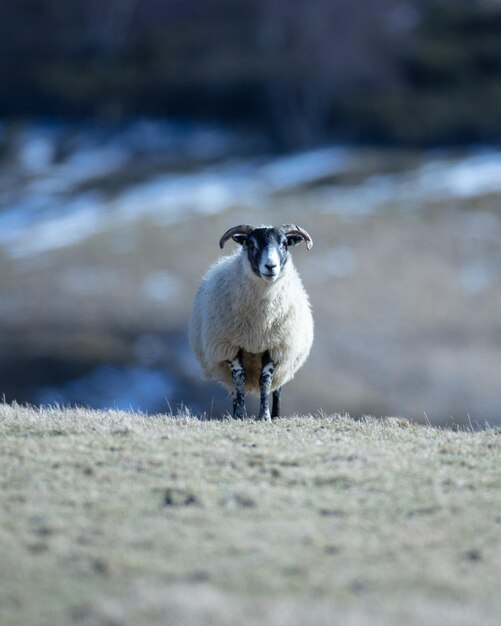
275 408
238 376
265 381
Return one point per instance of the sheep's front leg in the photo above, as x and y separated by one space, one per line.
238 376
265 381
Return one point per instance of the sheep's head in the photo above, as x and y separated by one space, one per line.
267 248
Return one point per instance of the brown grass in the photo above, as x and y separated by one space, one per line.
121 519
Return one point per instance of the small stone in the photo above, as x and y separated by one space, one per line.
359 586
240 500
473 555
38 547
101 566
332 513
179 497
199 575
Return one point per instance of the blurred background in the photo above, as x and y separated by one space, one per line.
134 132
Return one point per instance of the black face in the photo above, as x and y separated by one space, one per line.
267 250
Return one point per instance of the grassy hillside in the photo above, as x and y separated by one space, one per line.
119 519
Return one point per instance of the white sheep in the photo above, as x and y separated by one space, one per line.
251 327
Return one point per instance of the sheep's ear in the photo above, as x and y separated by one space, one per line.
295 234
240 238
293 240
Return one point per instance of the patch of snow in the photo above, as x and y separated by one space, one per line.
438 180
22 214
135 388
43 222
170 197
36 152
306 167
473 176
80 167
42 209
83 217
45 211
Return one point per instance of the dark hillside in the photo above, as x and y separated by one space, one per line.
387 71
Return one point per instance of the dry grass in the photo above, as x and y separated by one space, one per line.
119 519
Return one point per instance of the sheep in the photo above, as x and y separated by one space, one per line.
251 327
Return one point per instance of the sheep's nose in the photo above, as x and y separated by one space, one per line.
270 266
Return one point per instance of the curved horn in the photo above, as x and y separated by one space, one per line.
242 229
294 229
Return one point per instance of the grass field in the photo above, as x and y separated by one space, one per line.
118 519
